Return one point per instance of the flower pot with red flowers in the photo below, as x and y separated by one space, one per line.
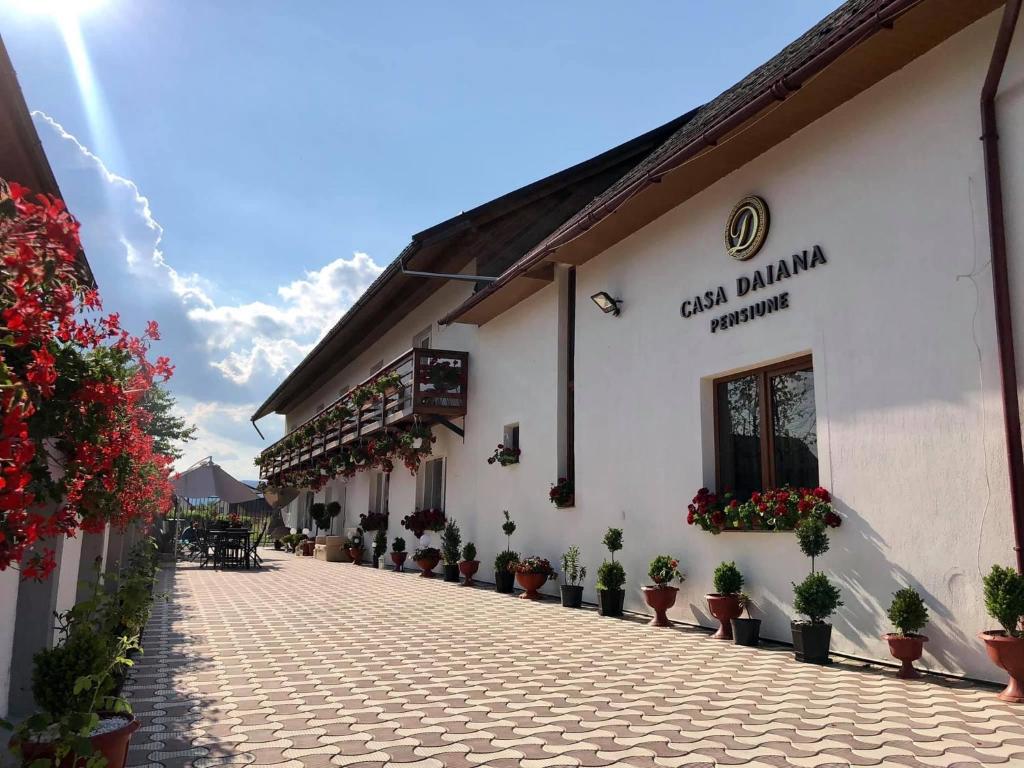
815 597
775 509
1004 601
572 590
724 602
469 565
504 578
398 553
451 542
355 547
661 595
611 576
427 558
532 573
423 520
562 493
505 456
908 614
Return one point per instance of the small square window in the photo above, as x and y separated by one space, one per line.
422 339
510 436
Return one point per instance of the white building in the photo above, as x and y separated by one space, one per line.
863 139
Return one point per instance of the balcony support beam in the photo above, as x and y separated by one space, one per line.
454 428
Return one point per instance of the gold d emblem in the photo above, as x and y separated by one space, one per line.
747 228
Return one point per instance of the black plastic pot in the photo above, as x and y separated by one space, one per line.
504 581
746 631
811 642
451 572
609 601
572 595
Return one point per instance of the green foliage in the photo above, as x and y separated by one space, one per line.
451 543
727 579
56 671
398 545
574 572
663 569
333 509
613 540
318 511
610 575
816 597
469 551
509 526
1004 598
505 560
380 543
812 538
167 429
908 613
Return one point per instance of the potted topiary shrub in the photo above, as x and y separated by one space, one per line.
504 578
724 602
278 545
398 553
908 614
532 573
661 595
380 546
745 631
469 565
610 577
1004 601
427 559
574 573
355 547
815 597
451 544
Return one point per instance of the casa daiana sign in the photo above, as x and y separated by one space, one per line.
744 235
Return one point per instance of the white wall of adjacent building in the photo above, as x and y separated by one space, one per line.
899 323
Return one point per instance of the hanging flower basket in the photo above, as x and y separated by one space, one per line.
779 509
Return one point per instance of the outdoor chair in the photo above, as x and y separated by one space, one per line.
252 554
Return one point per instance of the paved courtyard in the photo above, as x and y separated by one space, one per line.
307 663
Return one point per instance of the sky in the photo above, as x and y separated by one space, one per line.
244 169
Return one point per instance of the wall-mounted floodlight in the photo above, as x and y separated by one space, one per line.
606 303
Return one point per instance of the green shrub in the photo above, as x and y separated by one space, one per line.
613 540
574 572
451 543
812 538
55 671
816 597
398 545
663 569
908 613
509 526
611 575
505 559
380 543
1004 598
469 551
727 579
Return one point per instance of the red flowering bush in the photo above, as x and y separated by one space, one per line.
73 430
424 520
561 493
373 521
779 509
538 565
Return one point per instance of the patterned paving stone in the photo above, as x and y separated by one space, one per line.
373 669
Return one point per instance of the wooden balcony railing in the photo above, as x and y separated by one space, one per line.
431 385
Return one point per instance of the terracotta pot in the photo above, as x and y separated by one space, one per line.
908 649
308 547
531 582
660 597
113 745
725 608
467 568
356 553
1007 653
427 565
398 558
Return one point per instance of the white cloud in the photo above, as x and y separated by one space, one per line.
229 354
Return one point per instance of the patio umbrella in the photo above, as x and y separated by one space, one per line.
206 480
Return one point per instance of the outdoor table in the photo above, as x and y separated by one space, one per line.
230 547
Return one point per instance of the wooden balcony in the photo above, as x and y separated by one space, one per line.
431 388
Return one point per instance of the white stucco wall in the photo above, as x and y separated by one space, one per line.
900 326
8 606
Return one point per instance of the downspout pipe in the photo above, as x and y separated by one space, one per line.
1000 273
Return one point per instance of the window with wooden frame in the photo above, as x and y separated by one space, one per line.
380 483
766 428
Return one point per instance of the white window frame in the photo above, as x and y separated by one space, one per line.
422 339
421 484
380 491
